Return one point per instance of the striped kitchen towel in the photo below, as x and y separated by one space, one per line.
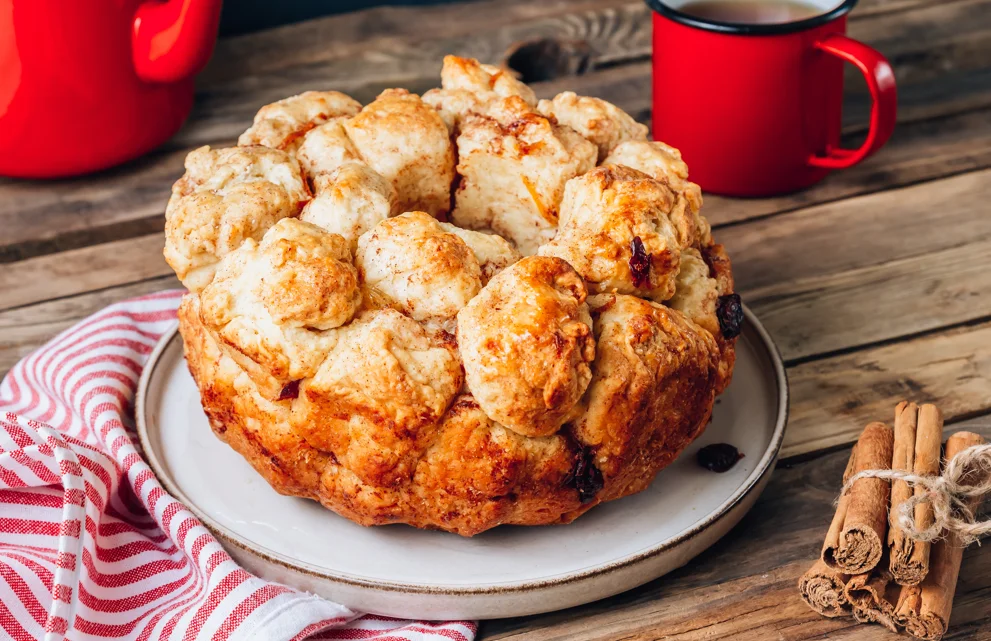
92 547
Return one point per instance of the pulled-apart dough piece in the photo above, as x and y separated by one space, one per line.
470 87
412 263
225 197
514 164
281 125
493 252
651 393
663 162
696 293
470 75
350 200
272 303
325 148
376 399
601 215
526 342
599 121
453 105
476 473
406 141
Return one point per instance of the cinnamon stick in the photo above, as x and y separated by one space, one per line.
927 612
856 537
918 436
907 612
822 589
872 596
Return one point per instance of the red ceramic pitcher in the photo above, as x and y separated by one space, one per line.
87 84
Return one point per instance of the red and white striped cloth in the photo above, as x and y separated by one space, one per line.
92 547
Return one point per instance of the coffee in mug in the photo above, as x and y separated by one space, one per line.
751 11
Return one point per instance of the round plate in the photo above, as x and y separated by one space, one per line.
508 571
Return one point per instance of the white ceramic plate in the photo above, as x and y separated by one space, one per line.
509 571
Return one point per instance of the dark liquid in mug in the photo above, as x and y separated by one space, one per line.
751 11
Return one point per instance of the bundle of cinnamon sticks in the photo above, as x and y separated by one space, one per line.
869 567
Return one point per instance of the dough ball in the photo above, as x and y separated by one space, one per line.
405 140
514 164
616 231
526 342
349 201
282 124
412 263
225 197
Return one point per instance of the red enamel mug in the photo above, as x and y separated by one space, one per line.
756 109
87 84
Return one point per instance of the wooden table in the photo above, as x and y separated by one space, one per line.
876 284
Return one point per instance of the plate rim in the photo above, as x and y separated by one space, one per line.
764 467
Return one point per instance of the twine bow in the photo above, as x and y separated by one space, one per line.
966 476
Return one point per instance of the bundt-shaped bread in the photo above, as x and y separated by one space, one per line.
553 346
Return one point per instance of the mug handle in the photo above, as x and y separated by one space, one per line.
881 81
172 40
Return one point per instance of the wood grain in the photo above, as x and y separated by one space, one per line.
901 298
744 587
83 270
24 329
352 34
859 232
833 398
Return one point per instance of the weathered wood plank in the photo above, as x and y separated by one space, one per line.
352 34
82 270
24 329
744 588
45 217
859 232
823 314
833 398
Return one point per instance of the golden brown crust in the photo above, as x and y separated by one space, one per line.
378 394
602 215
526 341
399 369
651 392
257 428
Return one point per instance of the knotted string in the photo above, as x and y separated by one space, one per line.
966 476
